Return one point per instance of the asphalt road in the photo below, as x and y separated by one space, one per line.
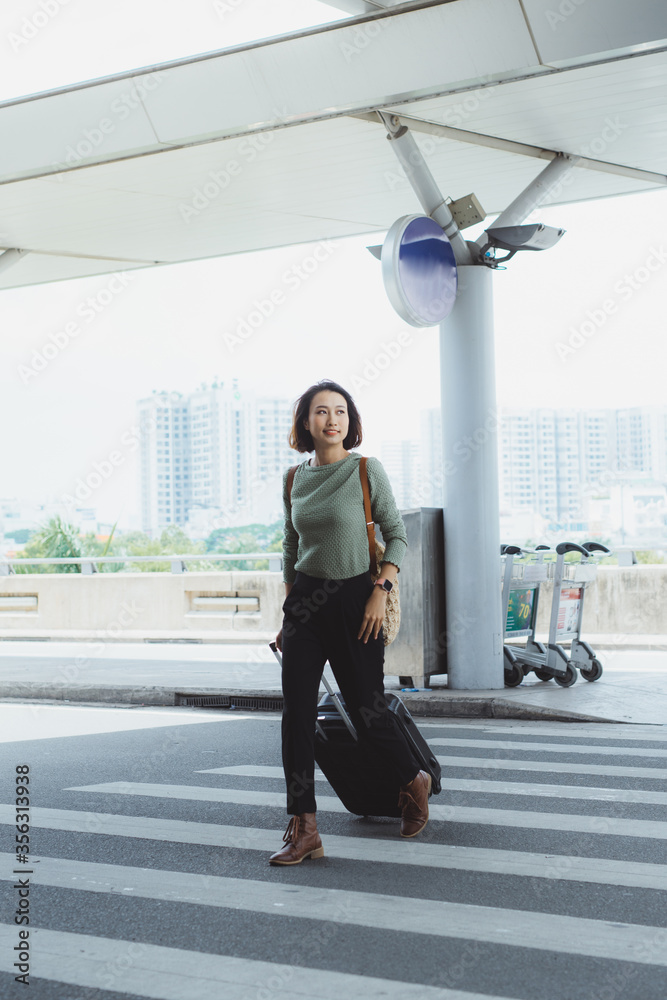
541 873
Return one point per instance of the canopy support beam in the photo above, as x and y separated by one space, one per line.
512 146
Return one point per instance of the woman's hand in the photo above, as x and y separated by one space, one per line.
373 614
279 641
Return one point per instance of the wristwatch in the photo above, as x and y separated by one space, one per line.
385 584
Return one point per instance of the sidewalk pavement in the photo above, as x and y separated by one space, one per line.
633 687
239 637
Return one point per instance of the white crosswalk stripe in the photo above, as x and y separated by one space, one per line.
556 767
521 818
160 973
477 785
599 731
137 967
568 935
637 874
550 748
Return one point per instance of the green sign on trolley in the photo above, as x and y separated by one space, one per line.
520 610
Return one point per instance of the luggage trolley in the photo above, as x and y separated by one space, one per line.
521 588
570 581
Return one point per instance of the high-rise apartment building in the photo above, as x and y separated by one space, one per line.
541 460
557 467
401 461
432 485
164 429
641 440
211 450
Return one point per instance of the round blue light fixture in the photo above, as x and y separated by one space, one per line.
419 270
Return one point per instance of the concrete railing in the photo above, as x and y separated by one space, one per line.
139 605
178 563
621 601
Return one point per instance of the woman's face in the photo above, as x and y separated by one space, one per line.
327 414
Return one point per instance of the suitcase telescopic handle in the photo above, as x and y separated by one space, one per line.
330 691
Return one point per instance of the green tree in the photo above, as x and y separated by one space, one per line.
246 538
54 539
648 557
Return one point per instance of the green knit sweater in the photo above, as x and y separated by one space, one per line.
325 525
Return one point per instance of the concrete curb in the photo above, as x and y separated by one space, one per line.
433 705
472 707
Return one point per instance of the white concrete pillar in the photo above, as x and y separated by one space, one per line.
470 427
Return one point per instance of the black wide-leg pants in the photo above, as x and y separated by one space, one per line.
321 620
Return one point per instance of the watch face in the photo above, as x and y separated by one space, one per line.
387 585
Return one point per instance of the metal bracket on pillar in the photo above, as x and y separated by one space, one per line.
424 185
11 257
534 195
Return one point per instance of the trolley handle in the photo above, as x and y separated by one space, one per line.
510 550
564 547
596 547
542 548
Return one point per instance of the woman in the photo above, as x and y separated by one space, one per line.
333 610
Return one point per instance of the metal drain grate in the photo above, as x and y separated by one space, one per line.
262 704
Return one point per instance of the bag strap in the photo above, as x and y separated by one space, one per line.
370 526
290 480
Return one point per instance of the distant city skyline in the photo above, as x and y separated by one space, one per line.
215 458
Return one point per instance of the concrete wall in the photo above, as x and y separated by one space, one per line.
622 601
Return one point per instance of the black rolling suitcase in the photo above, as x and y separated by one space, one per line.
354 769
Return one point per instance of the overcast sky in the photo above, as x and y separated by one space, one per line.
580 325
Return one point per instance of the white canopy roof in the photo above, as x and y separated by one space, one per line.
278 142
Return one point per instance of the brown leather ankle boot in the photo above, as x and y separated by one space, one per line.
413 800
301 841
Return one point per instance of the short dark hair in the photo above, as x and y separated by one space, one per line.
301 439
